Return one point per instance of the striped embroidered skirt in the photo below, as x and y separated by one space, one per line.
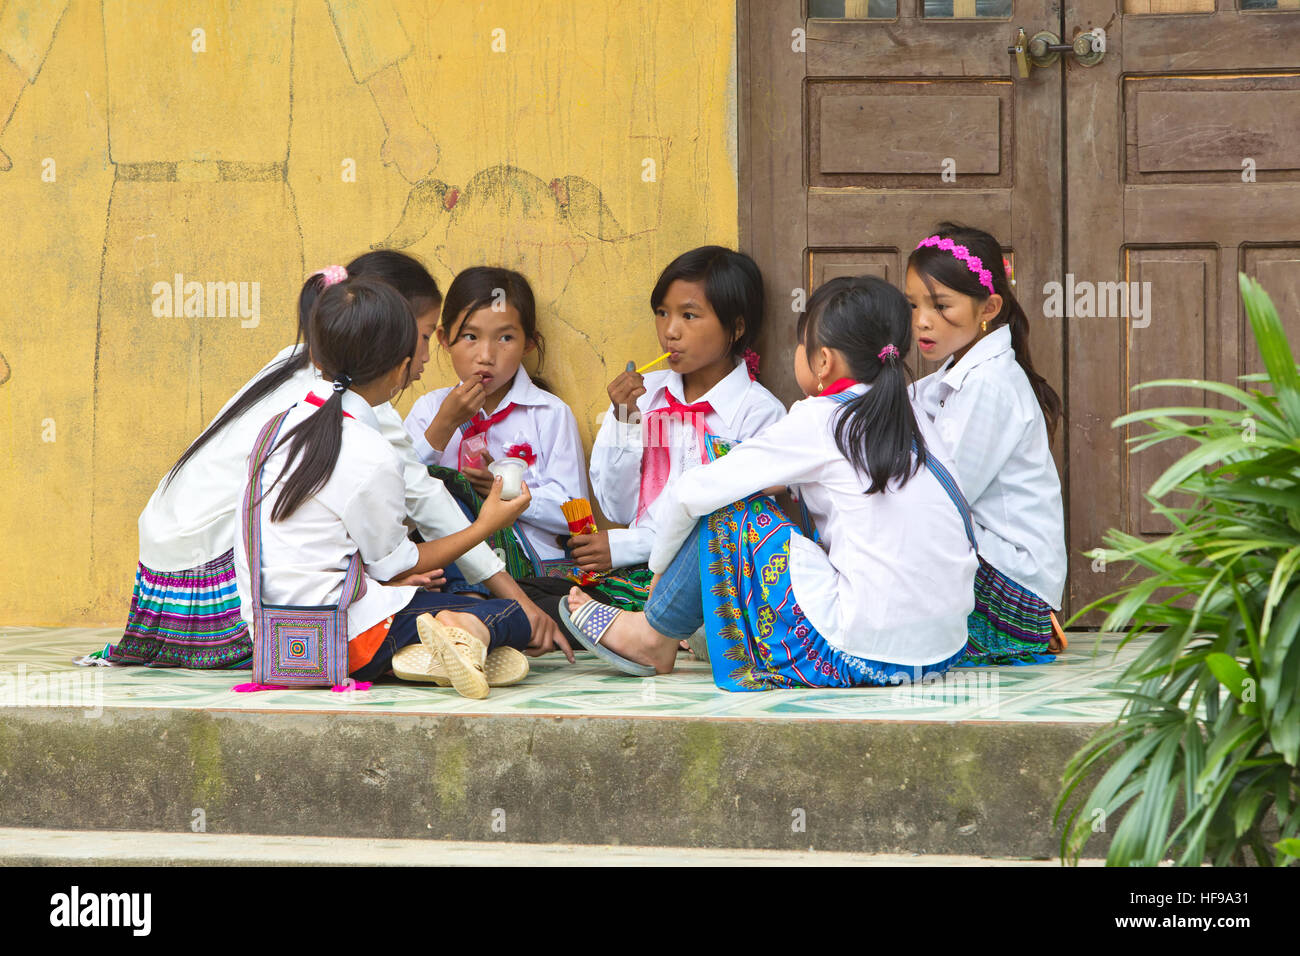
1010 625
759 638
185 619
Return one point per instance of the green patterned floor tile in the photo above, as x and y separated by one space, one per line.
1068 690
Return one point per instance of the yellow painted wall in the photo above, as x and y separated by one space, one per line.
139 148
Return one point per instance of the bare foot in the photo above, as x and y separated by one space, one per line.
631 636
467 623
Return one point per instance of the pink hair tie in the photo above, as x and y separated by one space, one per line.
973 263
889 351
751 364
331 275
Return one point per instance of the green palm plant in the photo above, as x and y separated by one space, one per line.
1203 759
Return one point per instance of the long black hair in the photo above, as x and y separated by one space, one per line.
861 317
360 330
404 273
732 284
482 287
943 267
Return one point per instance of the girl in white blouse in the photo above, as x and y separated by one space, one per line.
489 323
185 608
708 310
998 416
881 592
334 488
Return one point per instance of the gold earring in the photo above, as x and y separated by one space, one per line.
820 386
984 326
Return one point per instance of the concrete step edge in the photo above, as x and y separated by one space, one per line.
38 847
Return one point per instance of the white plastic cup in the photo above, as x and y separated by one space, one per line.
511 471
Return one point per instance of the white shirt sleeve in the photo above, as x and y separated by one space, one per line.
417 423
616 470
982 425
373 519
428 502
787 452
559 472
631 546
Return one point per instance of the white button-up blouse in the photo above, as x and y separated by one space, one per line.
987 413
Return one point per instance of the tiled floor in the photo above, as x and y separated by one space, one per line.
1069 690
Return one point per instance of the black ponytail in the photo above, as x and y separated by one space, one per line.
870 323
360 330
404 273
945 268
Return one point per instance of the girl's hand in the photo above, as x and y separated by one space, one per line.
429 580
480 479
496 514
461 404
591 551
624 391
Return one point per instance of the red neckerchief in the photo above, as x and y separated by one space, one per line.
479 426
837 386
656 462
314 399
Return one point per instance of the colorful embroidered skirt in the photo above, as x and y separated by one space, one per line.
626 588
1009 625
185 619
758 636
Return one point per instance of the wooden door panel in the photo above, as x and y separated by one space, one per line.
893 133
1179 342
910 46
1278 270
1181 128
1227 40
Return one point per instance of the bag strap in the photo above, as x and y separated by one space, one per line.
944 476
354 583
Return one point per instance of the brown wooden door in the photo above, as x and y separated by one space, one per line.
1129 170
1191 102
881 124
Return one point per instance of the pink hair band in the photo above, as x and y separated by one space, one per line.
889 351
973 263
331 275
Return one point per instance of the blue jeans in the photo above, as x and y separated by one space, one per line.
458 584
505 620
676 609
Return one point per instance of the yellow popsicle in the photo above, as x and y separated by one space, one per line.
647 365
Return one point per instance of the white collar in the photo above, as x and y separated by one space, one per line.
991 346
353 404
726 397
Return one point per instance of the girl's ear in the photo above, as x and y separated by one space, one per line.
442 337
739 331
825 358
992 306
530 346
401 378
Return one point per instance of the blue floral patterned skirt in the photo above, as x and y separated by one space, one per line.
759 638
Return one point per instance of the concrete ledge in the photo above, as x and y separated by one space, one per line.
133 848
969 788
